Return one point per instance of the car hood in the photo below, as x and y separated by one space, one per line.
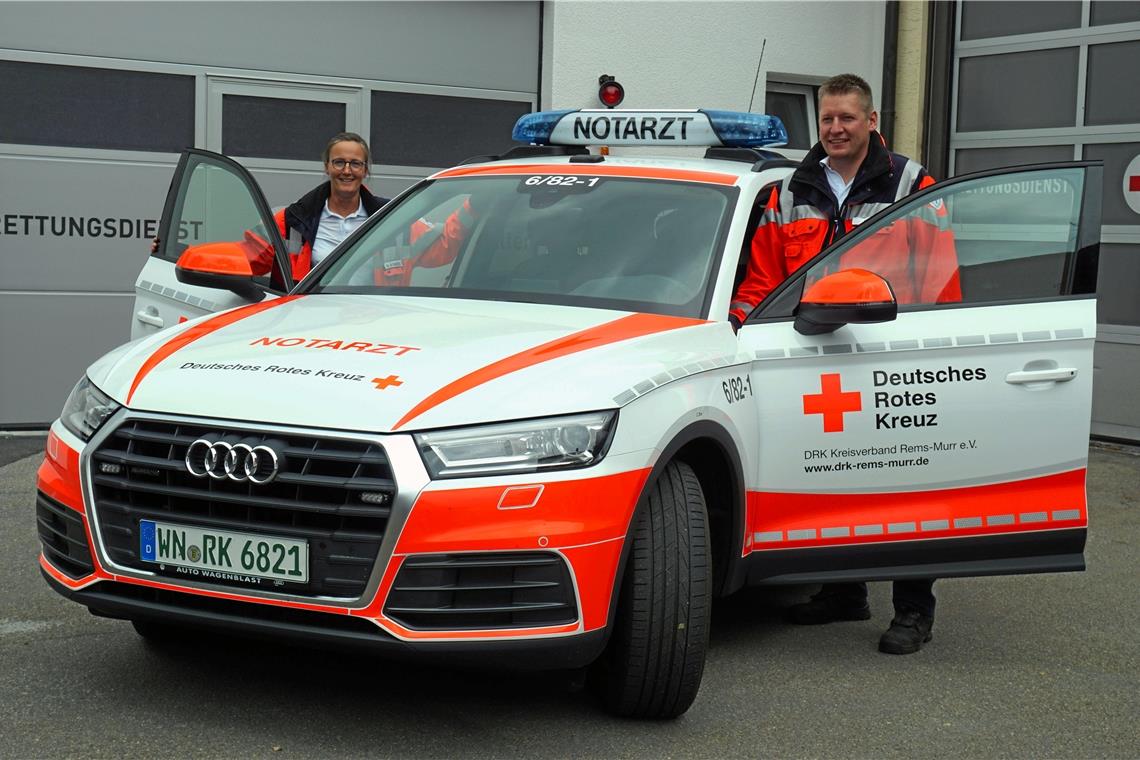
400 363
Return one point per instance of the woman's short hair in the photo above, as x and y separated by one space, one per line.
347 137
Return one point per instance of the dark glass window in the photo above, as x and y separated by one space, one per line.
278 127
84 107
1114 12
1116 302
412 129
1113 84
985 18
1028 90
979 159
792 109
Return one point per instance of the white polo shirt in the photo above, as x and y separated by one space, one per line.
333 229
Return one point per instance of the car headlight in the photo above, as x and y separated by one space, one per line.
86 410
551 443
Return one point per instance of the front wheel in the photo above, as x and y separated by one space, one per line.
653 665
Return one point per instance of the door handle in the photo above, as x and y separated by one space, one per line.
1058 375
148 318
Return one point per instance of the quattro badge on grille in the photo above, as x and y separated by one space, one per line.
238 462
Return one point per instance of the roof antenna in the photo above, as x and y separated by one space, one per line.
756 81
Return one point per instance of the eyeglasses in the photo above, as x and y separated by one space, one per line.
340 163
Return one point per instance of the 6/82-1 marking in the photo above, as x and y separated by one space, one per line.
559 180
737 388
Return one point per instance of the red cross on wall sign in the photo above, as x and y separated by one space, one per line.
1132 184
832 402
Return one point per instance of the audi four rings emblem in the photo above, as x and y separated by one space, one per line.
239 462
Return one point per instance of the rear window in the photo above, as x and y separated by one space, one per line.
610 242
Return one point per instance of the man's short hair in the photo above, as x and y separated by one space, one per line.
845 84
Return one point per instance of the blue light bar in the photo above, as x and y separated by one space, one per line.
536 128
747 130
648 127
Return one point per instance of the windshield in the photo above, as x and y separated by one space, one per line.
610 242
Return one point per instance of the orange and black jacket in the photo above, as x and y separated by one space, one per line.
801 218
298 224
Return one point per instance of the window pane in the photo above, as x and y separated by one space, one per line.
1114 12
1027 90
979 159
984 18
792 109
216 206
410 129
1116 283
278 127
1116 158
81 107
991 239
1114 81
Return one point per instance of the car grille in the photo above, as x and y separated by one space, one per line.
63 537
482 591
139 473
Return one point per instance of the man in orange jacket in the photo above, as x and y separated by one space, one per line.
846 178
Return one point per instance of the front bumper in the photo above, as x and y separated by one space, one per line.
438 578
131 602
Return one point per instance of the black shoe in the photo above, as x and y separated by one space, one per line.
908 632
829 608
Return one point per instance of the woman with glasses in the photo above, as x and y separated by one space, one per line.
314 225
318 222
322 218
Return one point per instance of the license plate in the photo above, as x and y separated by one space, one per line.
224 551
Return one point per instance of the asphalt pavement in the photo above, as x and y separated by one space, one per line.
1020 667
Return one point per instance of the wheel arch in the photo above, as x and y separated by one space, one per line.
710 449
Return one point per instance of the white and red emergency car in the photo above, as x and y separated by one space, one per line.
554 448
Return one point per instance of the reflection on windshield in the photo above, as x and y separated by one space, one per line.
613 242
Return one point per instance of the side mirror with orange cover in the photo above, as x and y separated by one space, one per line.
852 296
223 265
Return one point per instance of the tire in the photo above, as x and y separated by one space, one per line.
653 664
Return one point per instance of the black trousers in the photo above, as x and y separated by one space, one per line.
916 595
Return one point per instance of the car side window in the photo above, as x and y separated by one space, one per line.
216 206
1001 237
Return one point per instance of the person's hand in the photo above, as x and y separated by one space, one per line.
154 244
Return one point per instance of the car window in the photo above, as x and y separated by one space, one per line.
613 242
215 205
996 238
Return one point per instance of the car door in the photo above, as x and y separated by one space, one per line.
211 199
953 438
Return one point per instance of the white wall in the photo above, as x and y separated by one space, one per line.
689 54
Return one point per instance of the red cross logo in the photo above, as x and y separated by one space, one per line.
832 402
1131 185
383 382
